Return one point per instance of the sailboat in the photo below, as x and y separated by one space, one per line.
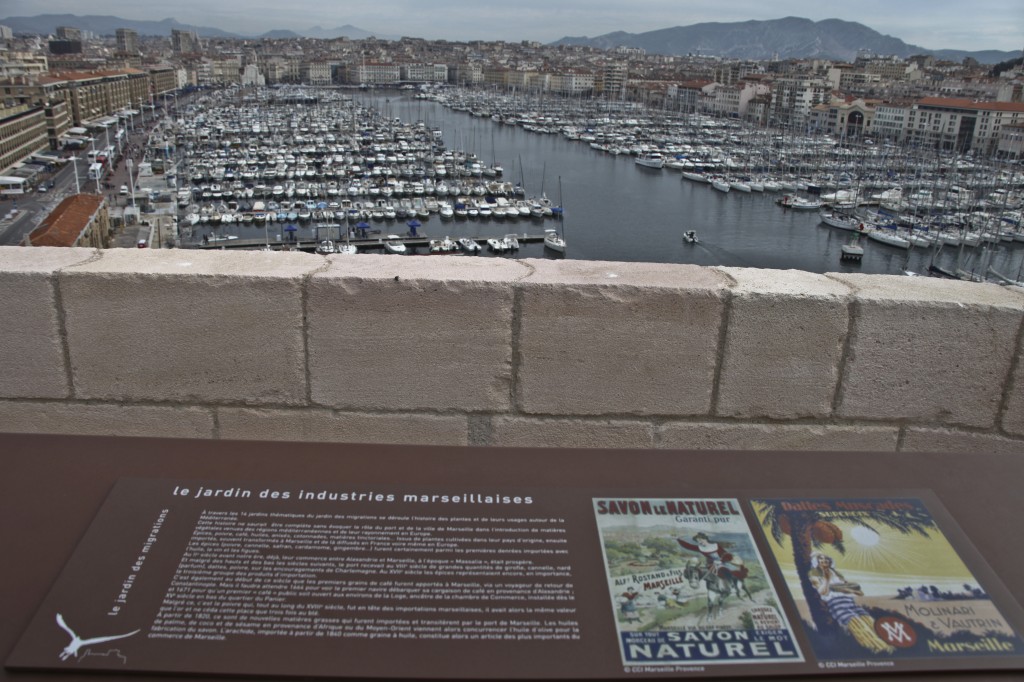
552 239
346 248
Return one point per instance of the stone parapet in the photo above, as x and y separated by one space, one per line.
487 351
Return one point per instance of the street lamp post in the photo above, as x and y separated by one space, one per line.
131 181
74 161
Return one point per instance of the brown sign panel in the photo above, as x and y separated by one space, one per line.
284 579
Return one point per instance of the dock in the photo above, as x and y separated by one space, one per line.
374 244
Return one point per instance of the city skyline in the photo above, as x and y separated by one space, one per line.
941 24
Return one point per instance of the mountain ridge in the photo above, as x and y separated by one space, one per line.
105 24
785 38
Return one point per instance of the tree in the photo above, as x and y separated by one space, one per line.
812 529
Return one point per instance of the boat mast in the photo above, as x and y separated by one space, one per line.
561 215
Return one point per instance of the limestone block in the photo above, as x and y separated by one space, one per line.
188 325
394 333
32 364
928 350
328 426
1013 417
619 338
106 419
948 440
783 345
740 436
570 433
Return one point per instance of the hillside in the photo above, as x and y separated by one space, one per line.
788 38
105 25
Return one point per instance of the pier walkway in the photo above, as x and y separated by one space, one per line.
374 244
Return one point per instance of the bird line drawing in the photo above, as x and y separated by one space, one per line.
71 650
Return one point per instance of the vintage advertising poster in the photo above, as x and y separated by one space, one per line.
688 586
876 580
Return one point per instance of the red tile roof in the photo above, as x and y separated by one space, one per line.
65 223
964 103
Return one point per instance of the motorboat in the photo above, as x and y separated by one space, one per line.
469 245
799 203
852 250
650 160
496 245
394 244
326 246
446 245
553 241
690 237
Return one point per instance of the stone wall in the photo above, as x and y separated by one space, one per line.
491 351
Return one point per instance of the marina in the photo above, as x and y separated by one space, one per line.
359 165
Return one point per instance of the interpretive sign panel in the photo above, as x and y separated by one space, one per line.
205 577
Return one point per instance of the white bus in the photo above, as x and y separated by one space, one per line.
96 171
10 184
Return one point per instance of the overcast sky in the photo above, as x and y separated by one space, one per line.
933 24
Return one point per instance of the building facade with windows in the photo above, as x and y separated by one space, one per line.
127 41
961 124
424 73
793 97
22 133
376 73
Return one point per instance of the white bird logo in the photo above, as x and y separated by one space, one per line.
77 642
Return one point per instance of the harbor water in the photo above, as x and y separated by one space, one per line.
617 210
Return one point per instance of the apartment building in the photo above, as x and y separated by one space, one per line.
570 83
315 72
22 133
185 42
890 122
127 41
375 73
960 124
1010 144
424 73
793 97
733 100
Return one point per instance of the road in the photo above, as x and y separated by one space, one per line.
32 208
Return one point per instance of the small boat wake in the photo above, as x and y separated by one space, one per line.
721 256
